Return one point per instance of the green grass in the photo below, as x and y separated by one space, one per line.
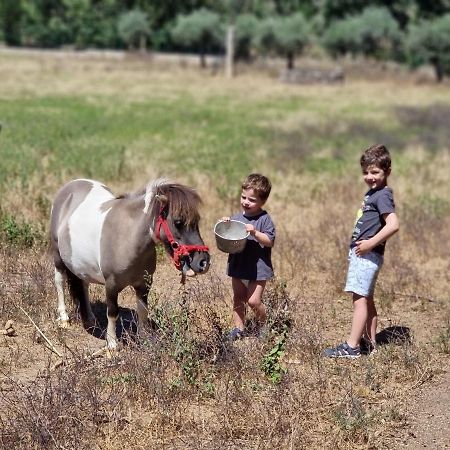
89 139
220 134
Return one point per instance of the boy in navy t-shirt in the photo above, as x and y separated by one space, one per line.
376 222
250 269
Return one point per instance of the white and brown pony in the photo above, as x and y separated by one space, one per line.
97 237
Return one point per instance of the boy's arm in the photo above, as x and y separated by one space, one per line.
261 237
391 227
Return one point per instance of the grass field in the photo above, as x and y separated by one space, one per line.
126 122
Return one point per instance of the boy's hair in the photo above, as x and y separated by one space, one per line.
259 183
376 155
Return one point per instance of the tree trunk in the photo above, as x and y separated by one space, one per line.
439 72
202 59
290 60
142 43
229 45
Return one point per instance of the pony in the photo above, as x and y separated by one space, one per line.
97 237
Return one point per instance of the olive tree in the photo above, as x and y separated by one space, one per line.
201 30
285 35
429 43
134 29
246 28
373 33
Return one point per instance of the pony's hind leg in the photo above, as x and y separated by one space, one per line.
112 311
60 278
89 319
79 290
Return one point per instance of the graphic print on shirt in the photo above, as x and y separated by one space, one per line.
359 213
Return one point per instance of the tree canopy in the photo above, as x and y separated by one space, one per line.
429 42
201 29
381 29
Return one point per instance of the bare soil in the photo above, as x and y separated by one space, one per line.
429 415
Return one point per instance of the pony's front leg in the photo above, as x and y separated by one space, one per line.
112 312
142 305
60 279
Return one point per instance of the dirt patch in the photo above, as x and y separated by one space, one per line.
429 415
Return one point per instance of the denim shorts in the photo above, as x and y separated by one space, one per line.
362 272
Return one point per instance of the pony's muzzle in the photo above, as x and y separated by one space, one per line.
200 263
204 264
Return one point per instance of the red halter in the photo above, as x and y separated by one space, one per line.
179 250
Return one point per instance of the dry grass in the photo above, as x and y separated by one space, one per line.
179 385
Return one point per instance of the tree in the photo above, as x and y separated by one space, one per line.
231 9
292 33
429 43
134 29
373 33
11 14
83 23
200 29
246 28
286 35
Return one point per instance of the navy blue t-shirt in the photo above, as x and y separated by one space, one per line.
369 220
254 262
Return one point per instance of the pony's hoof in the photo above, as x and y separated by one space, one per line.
105 351
64 324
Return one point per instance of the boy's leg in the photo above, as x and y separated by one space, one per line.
254 298
239 298
372 322
359 321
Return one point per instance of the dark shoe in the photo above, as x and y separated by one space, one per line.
235 334
343 351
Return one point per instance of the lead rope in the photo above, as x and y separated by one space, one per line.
184 272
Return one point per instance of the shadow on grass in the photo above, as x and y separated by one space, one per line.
393 335
126 326
390 335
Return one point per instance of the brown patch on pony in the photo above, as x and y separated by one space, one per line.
183 202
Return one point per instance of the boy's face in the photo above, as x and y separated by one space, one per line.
375 177
250 202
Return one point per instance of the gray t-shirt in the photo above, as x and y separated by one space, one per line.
369 220
254 262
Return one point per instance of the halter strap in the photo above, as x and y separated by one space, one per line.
179 250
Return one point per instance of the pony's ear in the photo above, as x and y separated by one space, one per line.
162 199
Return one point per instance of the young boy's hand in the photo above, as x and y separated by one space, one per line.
362 247
225 219
250 228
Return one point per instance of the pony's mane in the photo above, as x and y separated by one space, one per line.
183 201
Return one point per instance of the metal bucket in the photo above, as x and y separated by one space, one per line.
231 236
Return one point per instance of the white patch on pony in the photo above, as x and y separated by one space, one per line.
85 230
63 317
111 336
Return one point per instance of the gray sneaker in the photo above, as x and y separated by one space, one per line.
343 351
235 334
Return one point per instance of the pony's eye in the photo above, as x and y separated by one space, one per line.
178 223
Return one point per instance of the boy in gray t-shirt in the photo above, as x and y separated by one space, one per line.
376 222
250 269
